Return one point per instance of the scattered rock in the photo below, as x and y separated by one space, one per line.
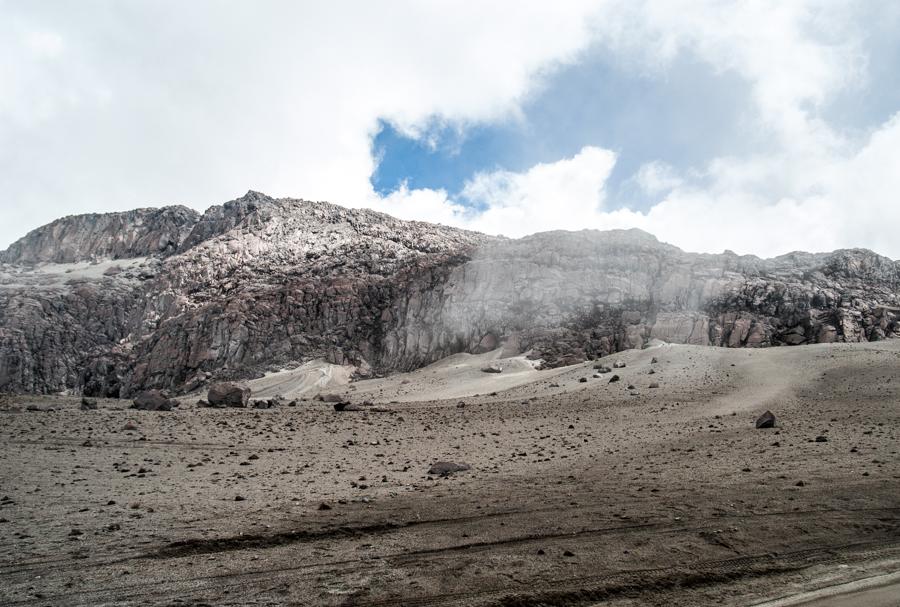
88 404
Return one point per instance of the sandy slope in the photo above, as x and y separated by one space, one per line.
579 493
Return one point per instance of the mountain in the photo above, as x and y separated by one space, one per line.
109 304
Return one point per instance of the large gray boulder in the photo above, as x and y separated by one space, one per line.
228 394
153 400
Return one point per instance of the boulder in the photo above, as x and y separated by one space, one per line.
331 398
88 404
446 468
619 364
602 369
493 368
153 400
347 406
228 394
766 420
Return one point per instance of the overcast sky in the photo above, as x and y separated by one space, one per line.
760 127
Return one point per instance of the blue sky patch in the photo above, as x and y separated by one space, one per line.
683 117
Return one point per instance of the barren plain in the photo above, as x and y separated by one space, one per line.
580 491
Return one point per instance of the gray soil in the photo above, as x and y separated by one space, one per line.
578 493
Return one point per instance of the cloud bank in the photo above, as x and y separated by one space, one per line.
108 106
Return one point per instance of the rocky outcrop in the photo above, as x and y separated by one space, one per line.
137 233
258 284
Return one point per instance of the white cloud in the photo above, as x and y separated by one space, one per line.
815 189
657 178
121 106
151 103
555 196
843 202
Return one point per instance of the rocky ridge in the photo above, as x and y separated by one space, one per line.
109 305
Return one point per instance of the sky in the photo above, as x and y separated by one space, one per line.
761 127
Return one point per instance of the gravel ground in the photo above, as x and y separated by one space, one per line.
578 492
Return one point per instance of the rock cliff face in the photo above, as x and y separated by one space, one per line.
164 298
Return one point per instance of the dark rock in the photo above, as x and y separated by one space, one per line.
347 406
582 379
324 506
602 369
446 468
654 384
88 404
619 364
614 378
228 394
766 420
153 400
821 439
492 368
